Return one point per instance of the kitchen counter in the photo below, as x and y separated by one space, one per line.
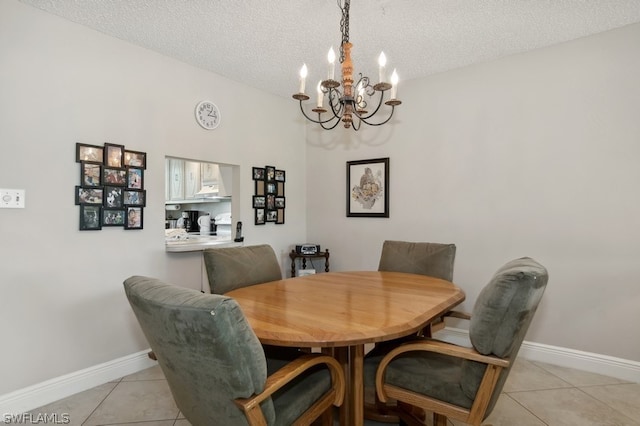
199 243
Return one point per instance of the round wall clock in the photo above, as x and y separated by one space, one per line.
207 115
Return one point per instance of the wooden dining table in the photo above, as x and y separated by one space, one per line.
340 312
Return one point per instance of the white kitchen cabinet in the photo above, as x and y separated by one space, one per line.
192 182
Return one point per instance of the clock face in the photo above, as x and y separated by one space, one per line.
207 115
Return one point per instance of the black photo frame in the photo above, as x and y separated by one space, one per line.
90 218
113 197
135 159
271 216
259 201
280 175
134 218
113 217
114 176
280 217
260 217
368 188
89 153
257 173
135 178
269 173
113 155
133 197
89 196
90 174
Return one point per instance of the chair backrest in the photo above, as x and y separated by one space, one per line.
433 259
501 317
205 347
229 268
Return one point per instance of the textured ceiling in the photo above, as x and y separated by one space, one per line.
264 43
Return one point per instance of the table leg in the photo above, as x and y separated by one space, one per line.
356 397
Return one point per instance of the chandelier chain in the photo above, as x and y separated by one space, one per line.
344 26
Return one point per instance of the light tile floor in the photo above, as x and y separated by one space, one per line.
535 394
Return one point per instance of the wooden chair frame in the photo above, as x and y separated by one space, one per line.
322 407
441 410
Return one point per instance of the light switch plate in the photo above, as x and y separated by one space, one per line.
11 198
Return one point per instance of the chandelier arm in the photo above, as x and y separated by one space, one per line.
366 117
381 123
317 121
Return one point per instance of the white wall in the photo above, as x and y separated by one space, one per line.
532 155
62 305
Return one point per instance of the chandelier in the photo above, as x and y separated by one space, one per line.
350 104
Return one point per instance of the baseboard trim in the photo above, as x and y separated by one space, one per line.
61 387
40 394
619 368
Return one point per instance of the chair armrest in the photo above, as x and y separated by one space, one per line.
292 370
437 346
457 314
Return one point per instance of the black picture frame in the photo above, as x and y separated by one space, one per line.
113 197
90 218
271 215
367 188
132 197
134 159
113 217
280 175
272 188
135 178
113 155
89 196
280 217
260 218
257 173
134 218
90 174
259 201
114 176
280 202
89 153
269 173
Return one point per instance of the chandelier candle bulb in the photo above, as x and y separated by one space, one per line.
320 94
394 84
331 56
382 62
303 77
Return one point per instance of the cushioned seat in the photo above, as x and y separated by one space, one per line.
216 368
458 382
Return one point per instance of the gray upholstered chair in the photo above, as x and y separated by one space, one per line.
459 382
432 259
216 368
229 268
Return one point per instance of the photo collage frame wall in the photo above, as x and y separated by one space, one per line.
111 190
268 201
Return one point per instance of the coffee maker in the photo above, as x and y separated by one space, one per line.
190 219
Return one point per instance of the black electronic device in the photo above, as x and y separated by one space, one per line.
239 238
307 248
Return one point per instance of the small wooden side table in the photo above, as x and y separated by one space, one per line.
293 255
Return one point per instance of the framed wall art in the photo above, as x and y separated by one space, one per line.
89 153
268 201
134 218
113 155
368 188
111 191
